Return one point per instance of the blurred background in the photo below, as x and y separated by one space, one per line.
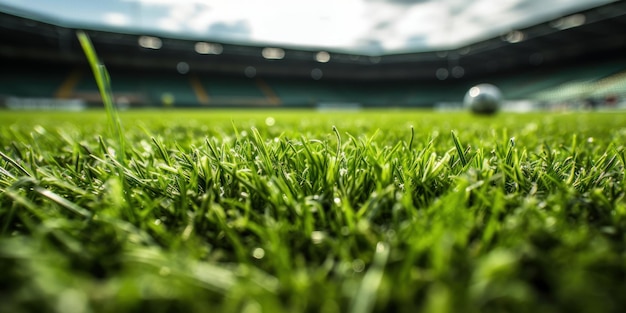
326 54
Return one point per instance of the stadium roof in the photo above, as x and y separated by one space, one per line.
596 33
367 27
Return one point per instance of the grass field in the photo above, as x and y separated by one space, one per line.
291 211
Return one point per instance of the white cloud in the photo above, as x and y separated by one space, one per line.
378 25
116 19
313 23
322 22
424 20
392 25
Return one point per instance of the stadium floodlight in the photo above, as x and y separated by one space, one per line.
322 57
208 48
150 42
273 53
514 36
569 21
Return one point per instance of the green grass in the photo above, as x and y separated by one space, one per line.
411 211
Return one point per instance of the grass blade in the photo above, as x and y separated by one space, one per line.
15 164
459 149
365 297
62 201
102 78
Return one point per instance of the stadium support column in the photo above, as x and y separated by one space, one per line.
201 94
269 93
67 87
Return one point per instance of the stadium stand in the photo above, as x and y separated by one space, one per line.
611 85
236 91
25 81
42 59
551 84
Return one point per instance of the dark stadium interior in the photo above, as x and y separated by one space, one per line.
41 58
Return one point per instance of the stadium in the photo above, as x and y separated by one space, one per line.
143 169
551 64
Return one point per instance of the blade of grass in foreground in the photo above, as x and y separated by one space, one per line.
101 75
102 78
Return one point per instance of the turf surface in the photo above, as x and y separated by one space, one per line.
275 211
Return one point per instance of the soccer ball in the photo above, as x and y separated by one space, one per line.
483 99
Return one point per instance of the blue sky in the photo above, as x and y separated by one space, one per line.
364 26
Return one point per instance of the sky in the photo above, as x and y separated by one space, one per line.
364 26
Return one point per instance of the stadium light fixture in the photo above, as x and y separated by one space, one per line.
273 53
208 48
150 42
569 22
514 36
322 57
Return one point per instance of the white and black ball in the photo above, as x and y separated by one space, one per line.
483 99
